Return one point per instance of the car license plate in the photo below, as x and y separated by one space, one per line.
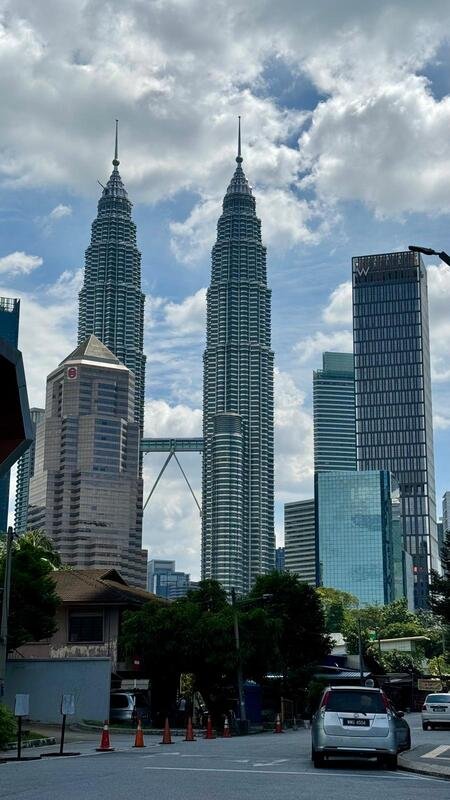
357 723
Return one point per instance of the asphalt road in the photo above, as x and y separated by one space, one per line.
262 767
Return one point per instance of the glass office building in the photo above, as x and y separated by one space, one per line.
165 581
356 551
9 331
25 471
393 394
300 540
334 413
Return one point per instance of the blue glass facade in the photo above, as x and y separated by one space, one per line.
393 394
9 330
355 533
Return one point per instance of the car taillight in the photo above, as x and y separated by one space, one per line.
385 701
325 700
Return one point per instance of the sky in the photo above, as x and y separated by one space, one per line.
346 141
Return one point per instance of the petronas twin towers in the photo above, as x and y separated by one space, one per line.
238 529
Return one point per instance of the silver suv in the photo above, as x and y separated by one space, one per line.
358 721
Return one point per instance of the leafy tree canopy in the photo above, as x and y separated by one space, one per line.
33 600
440 586
335 604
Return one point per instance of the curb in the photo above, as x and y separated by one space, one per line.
30 743
424 769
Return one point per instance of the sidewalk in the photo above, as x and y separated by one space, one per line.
427 759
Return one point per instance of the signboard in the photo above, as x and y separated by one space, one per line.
68 704
72 373
429 684
22 705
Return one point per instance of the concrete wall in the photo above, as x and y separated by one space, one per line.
46 680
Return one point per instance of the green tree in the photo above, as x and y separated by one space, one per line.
298 618
336 604
439 598
33 600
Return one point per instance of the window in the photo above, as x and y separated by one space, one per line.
85 626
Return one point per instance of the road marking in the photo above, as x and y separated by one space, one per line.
436 752
291 772
271 763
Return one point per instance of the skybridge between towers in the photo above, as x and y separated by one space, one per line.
172 447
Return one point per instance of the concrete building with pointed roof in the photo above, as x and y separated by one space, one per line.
238 541
86 492
111 303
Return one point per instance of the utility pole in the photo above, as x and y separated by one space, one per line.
240 678
360 651
5 611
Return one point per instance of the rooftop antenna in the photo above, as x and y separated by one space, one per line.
116 161
239 158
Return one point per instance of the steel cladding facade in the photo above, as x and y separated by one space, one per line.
237 526
111 303
393 393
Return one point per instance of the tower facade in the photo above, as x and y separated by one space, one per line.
9 331
300 540
334 413
237 524
111 303
393 394
86 493
25 471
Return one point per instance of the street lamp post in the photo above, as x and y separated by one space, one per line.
428 251
5 611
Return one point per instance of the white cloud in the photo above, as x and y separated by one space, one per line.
47 330
60 211
294 455
162 419
339 308
310 348
177 74
189 316
19 263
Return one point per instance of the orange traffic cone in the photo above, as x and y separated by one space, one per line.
226 729
278 728
167 739
105 744
209 729
139 738
189 731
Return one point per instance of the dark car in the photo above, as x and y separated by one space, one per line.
128 706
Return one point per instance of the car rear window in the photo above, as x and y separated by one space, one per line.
438 698
362 702
119 701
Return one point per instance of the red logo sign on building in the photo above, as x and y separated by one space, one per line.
72 373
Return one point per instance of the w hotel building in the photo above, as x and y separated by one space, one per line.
393 394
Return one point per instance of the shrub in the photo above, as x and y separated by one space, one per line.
8 727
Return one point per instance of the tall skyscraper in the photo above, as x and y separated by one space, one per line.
445 513
25 471
393 394
237 524
334 413
300 540
86 492
356 544
9 330
111 301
